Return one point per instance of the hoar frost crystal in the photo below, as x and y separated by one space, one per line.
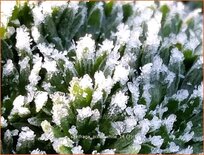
102 78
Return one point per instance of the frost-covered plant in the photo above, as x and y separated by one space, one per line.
102 77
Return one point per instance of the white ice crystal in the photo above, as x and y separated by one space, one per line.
170 78
188 150
144 125
35 34
108 151
73 131
47 128
113 58
135 54
146 69
87 112
8 68
59 98
176 56
118 127
23 39
31 92
78 84
40 100
77 150
103 83
169 122
139 139
192 43
62 141
86 82
50 66
121 74
19 106
134 89
37 151
47 50
38 15
10 31
156 123
173 147
158 65
146 94
123 33
15 132
181 95
134 41
97 95
119 100
130 124
85 48
3 122
198 92
7 136
181 37
95 115
139 111
6 13
105 48
24 63
34 75
156 141
59 111
187 136
152 37
188 126
25 135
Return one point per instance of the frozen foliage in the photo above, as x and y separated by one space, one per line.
102 78
23 39
37 151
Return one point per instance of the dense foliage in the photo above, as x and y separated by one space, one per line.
102 77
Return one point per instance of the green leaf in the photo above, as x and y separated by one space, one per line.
23 14
172 105
56 81
193 76
189 59
79 20
165 10
2 32
127 11
105 125
197 148
145 149
110 23
165 54
65 125
7 52
157 94
108 8
57 131
94 22
197 126
64 25
65 150
86 144
51 32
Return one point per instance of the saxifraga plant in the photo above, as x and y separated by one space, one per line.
102 77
